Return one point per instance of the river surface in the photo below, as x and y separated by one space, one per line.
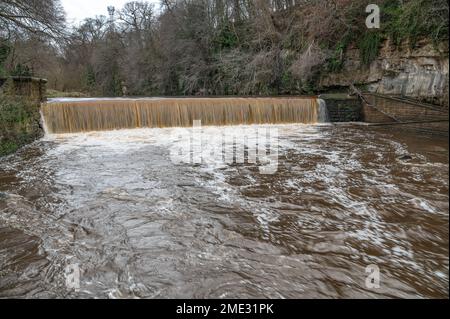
140 226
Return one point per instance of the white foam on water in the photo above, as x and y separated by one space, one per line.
69 99
332 190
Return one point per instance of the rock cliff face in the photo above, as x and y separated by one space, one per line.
420 72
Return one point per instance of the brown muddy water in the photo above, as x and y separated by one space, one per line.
139 226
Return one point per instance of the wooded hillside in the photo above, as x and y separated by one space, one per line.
206 47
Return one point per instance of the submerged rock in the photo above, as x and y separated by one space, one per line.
405 157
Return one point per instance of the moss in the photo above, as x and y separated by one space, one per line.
55 94
8 147
19 123
21 70
337 96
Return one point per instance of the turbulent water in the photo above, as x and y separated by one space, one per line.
140 226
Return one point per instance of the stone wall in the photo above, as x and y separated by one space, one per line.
20 123
31 88
343 108
391 112
399 109
20 120
420 72
413 115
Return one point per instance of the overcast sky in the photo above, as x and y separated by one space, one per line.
77 10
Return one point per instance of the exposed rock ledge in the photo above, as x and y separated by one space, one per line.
420 72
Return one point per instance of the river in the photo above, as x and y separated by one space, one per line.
138 225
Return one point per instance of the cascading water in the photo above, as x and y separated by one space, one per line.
323 115
71 116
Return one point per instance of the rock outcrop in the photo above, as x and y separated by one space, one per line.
419 72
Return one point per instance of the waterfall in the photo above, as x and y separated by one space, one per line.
323 115
71 116
43 122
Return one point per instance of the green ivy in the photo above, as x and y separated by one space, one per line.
226 39
8 147
336 62
369 46
18 123
21 70
414 19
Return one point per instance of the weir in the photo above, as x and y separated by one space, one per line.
84 115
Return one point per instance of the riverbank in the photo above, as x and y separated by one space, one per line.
52 94
19 123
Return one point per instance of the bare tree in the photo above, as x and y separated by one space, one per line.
225 46
38 17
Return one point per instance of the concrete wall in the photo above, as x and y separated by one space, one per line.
343 108
392 112
415 116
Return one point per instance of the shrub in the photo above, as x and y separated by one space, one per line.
414 19
369 46
19 123
308 62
